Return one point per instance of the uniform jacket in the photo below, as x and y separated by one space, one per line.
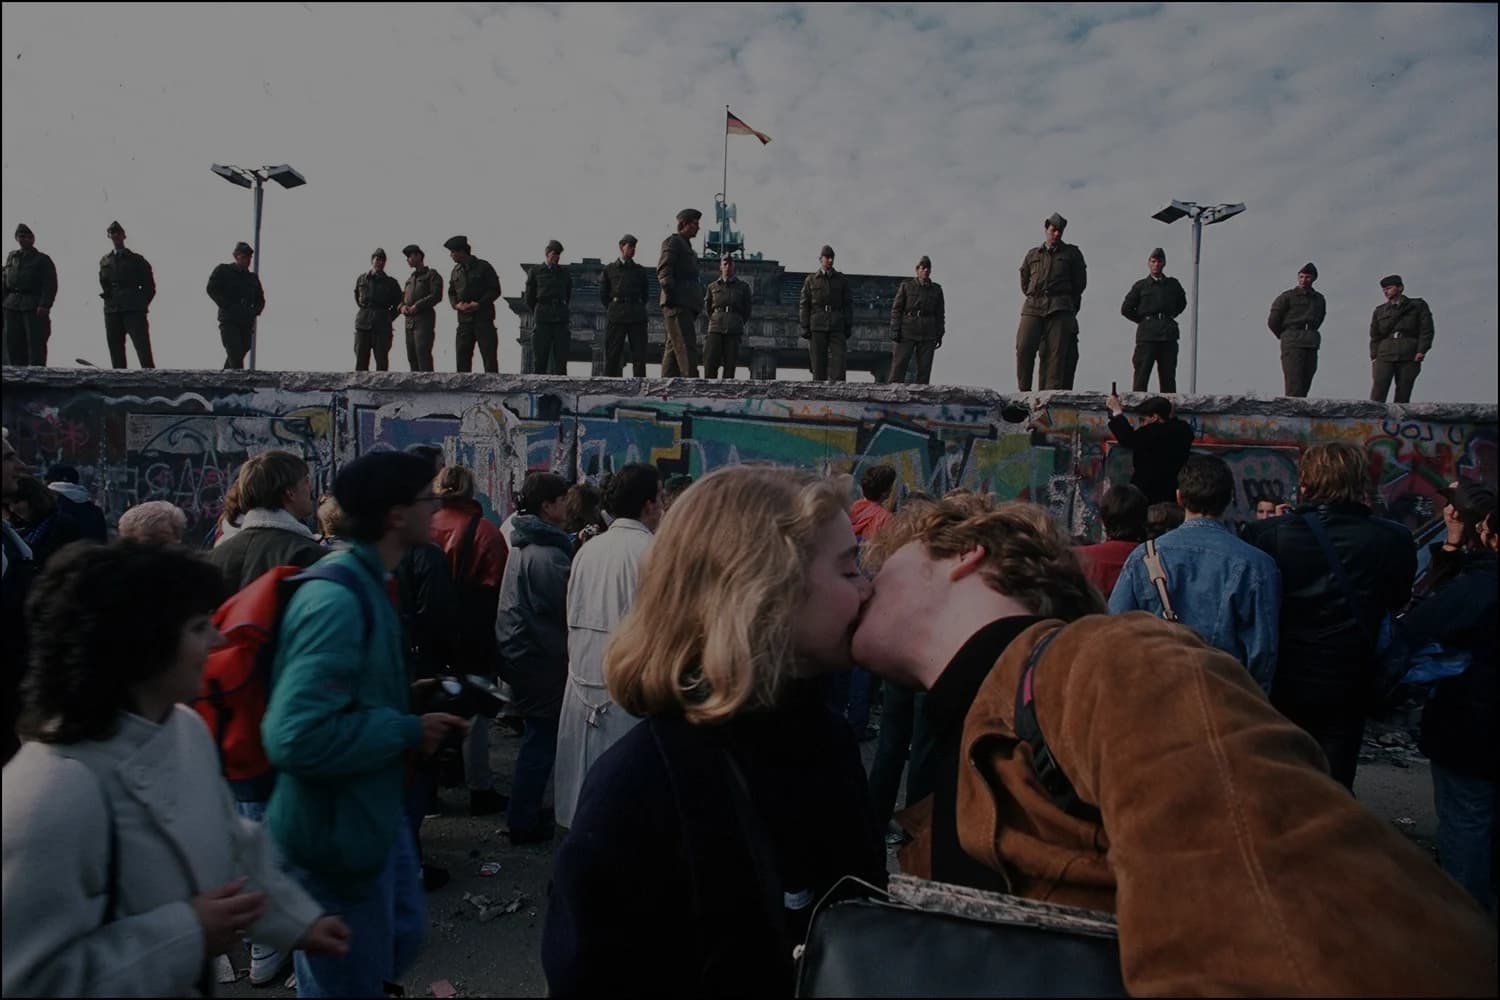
624 287
377 295
338 727
1158 452
1233 863
1153 305
917 312
548 291
1296 316
237 292
127 282
475 281
1053 279
677 274
531 628
600 591
1400 330
30 280
176 835
266 538
727 304
827 303
423 291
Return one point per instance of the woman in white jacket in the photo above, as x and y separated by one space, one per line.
125 867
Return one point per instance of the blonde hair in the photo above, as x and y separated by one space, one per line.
710 634
455 483
1335 472
155 522
1026 555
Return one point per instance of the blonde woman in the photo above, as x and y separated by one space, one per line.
702 838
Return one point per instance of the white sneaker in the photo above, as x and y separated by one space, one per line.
224 970
267 964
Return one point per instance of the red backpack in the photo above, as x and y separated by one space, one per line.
236 685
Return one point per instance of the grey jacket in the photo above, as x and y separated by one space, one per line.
531 627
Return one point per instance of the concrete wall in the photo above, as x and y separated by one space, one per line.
181 435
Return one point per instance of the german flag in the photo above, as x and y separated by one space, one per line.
736 127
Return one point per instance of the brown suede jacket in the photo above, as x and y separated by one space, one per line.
1232 861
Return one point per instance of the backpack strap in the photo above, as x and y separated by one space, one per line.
1158 573
345 577
1029 731
466 550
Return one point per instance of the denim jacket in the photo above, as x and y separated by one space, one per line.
1226 590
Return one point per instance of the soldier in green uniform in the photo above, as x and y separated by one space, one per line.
378 296
30 288
826 312
128 286
419 299
1296 319
473 288
238 293
1400 336
1153 305
1053 277
623 288
918 321
549 291
681 296
726 303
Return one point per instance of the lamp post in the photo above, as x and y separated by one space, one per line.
256 177
1201 217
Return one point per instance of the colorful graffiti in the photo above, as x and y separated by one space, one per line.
186 446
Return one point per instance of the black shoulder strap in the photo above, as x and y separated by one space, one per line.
466 550
755 839
1029 730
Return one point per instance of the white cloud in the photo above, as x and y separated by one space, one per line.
1363 138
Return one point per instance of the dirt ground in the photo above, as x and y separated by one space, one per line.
501 957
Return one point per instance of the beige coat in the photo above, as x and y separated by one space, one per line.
177 836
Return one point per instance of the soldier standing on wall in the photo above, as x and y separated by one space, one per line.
1400 336
378 296
1053 277
30 288
238 293
473 288
1153 305
681 297
917 324
826 311
128 286
623 288
1296 316
727 304
419 299
549 290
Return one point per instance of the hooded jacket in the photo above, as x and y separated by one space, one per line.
531 628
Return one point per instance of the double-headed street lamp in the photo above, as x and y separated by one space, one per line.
1201 217
256 177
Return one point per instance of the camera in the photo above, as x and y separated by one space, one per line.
465 696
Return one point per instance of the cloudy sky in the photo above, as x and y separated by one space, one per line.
1361 138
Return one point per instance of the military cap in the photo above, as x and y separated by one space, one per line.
554 247
24 230
924 261
827 251
627 238
1392 279
1056 221
114 227
1158 254
379 254
689 215
1311 269
243 248
410 249
457 243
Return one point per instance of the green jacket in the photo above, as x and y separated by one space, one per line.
917 311
377 295
548 291
475 281
827 303
127 282
237 292
1053 279
727 306
424 290
338 726
1153 305
30 280
677 274
624 287
1296 316
1400 330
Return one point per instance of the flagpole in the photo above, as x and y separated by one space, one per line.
724 186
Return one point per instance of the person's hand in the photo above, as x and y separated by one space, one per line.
435 725
226 913
1419 357
1453 522
1282 509
327 936
1115 406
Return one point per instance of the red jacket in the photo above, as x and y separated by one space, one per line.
449 525
867 516
1102 562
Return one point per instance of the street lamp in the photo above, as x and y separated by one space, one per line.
245 177
1201 217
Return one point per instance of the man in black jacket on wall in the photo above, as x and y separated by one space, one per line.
1159 446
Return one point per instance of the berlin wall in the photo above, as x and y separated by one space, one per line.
181 435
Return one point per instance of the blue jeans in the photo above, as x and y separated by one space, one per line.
1466 831
534 760
389 922
903 733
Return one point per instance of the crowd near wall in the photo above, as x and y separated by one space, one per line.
180 436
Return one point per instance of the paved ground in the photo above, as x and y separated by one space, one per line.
501 957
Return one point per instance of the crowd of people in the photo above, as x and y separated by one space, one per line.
1162 729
